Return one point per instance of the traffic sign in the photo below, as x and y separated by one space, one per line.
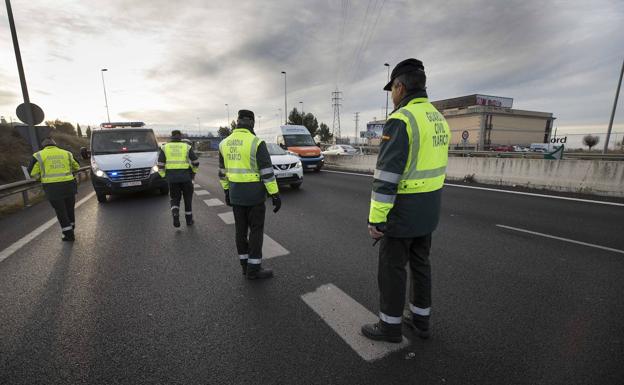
37 113
465 135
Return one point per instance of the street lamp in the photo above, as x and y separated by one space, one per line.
302 115
285 100
105 98
387 92
227 107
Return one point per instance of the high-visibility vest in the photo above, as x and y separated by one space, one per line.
239 156
54 165
177 157
425 169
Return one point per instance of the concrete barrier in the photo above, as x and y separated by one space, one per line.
579 176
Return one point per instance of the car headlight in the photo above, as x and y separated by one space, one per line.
154 169
299 165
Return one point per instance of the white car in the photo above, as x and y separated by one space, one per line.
286 166
340 149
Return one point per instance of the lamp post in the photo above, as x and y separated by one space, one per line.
105 98
615 102
387 65
227 107
302 115
285 100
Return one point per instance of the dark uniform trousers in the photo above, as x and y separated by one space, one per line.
64 209
179 190
249 229
394 254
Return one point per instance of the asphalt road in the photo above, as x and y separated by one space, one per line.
135 301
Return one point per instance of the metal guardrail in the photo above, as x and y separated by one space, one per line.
26 185
534 155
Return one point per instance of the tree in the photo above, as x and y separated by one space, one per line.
590 141
233 125
308 120
78 131
62 127
324 133
88 132
224 131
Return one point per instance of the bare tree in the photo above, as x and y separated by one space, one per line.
590 141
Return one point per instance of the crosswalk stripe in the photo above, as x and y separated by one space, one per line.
228 217
213 202
272 249
202 192
346 316
196 185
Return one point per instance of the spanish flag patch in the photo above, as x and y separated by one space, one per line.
385 137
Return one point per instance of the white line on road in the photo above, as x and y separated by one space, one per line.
561 239
213 202
228 217
196 185
202 192
346 316
505 191
272 249
33 234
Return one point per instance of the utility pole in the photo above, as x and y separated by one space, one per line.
105 98
387 93
357 120
617 94
285 100
336 99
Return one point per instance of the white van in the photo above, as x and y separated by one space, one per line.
124 160
286 167
296 139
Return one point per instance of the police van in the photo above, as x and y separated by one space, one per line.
124 159
296 139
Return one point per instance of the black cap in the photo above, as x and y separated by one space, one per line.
246 114
404 67
176 134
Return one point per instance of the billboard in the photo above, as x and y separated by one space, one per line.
495 101
374 130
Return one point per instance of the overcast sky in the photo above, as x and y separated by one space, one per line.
171 62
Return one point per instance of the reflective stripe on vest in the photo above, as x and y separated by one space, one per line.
429 135
55 165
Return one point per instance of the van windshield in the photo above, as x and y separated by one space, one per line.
122 141
298 140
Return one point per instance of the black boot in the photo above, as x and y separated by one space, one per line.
176 217
243 263
257 272
68 236
418 323
189 219
382 331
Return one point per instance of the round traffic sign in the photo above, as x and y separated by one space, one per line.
37 113
465 135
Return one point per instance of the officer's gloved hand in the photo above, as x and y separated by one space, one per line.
227 198
277 202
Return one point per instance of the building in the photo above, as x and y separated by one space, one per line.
483 122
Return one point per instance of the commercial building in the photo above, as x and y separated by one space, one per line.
482 122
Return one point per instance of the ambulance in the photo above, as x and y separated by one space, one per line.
297 140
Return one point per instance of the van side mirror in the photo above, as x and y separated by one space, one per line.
86 154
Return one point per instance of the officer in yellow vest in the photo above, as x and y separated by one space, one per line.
178 164
246 175
55 167
405 202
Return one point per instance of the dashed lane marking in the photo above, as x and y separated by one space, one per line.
272 249
213 202
36 232
196 185
561 239
202 192
346 316
228 217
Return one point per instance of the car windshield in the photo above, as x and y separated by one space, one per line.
298 140
274 149
118 141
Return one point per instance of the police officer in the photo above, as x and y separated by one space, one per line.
405 202
54 167
178 164
246 174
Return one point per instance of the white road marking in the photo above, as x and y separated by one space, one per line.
196 185
562 239
228 217
36 232
346 316
272 249
202 192
504 191
213 202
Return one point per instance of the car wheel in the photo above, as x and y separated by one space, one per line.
101 197
295 186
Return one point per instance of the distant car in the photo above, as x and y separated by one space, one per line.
340 149
286 166
503 148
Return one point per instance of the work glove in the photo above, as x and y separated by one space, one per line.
227 198
277 202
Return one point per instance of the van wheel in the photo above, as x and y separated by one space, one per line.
295 186
164 190
101 197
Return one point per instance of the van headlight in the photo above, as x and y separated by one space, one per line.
96 170
154 169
